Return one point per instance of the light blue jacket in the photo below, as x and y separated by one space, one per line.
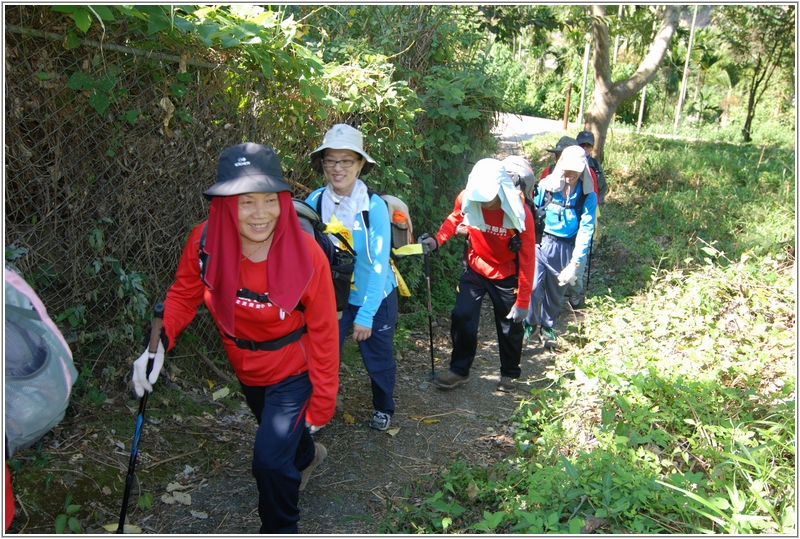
564 223
374 278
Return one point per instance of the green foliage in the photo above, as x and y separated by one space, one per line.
676 416
671 409
65 519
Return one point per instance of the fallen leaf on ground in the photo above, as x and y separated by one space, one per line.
220 393
348 418
431 421
199 514
177 497
393 431
128 528
592 524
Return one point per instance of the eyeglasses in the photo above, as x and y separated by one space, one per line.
344 163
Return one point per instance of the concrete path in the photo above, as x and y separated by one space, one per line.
513 129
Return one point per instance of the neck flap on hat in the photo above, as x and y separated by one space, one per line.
289 267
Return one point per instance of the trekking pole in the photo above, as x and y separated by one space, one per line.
588 268
430 313
155 336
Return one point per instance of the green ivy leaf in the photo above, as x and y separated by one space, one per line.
184 115
61 523
107 83
178 89
99 102
131 116
72 41
83 20
80 81
75 526
103 12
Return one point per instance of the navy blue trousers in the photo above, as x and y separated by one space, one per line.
377 351
283 447
465 317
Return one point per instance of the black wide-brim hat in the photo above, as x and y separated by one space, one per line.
248 168
563 142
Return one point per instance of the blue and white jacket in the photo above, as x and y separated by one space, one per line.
373 275
565 223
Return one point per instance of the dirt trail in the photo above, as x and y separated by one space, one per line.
365 468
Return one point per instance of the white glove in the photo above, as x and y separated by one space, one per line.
517 314
554 182
312 428
567 275
140 379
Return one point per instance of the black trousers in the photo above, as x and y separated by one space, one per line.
466 315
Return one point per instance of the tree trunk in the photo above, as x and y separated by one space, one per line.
608 95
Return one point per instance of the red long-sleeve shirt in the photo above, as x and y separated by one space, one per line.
317 351
489 255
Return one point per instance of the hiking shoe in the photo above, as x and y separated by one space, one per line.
506 384
576 300
548 337
380 421
319 455
448 380
528 330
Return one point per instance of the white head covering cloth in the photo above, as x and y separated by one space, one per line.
572 158
487 180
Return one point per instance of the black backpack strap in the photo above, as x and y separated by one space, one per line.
203 256
365 213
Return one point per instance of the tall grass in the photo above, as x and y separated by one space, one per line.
672 406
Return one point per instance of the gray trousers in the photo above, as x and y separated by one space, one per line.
552 256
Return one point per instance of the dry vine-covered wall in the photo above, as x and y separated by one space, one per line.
102 180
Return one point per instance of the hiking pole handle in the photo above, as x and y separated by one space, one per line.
155 337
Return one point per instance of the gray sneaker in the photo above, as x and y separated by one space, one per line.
380 421
319 455
448 380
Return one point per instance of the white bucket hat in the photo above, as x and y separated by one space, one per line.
342 137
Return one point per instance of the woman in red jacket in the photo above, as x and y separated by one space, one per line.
268 286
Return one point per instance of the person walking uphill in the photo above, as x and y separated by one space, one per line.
500 262
268 287
372 305
570 203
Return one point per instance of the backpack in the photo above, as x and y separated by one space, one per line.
402 230
602 186
540 212
399 218
342 260
39 372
